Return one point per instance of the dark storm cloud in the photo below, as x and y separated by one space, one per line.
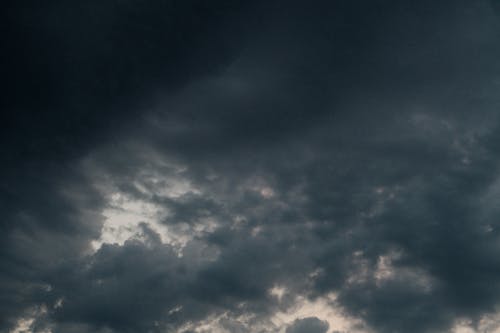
128 288
84 66
312 325
36 235
345 147
73 75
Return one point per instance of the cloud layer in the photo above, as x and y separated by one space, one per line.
268 166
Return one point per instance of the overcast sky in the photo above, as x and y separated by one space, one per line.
265 166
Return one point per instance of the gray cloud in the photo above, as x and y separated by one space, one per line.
311 324
253 157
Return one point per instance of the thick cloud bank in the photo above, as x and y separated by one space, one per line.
250 167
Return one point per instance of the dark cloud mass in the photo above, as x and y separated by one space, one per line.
309 325
250 166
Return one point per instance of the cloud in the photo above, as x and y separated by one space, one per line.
186 167
310 324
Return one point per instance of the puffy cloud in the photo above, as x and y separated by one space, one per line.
308 325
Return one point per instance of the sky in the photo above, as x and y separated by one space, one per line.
266 166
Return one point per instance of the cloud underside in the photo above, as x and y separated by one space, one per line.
269 167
